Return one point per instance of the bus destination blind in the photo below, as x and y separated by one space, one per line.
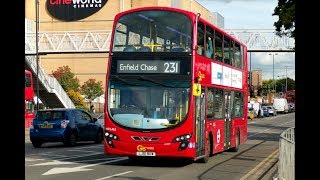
148 66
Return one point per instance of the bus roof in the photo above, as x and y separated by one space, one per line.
189 13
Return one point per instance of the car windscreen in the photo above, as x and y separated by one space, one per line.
101 116
50 115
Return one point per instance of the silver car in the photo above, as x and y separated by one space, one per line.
291 107
272 111
101 120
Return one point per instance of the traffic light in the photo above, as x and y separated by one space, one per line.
259 91
251 91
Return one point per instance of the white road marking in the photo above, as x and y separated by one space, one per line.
268 129
114 175
95 146
77 156
54 162
32 159
78 168
79 150
48 154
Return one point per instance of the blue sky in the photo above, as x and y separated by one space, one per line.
255 14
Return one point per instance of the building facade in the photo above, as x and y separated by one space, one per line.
52 17
256 78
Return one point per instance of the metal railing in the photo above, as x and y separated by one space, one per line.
98 41
50 83
68 42
286 164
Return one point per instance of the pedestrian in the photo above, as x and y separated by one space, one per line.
92 108
259 113
209 48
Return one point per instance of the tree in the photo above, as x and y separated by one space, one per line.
66 78
267 85
92 89
76 98
286 12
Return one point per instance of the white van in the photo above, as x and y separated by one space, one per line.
256 106
281 104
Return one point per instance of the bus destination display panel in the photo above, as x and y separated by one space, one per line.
154 66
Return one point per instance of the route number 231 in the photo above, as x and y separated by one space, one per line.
171 67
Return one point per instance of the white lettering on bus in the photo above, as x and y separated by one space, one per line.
129 67
218 136
145 67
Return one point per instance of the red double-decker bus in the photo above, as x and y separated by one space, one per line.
176 86
291 96
28 98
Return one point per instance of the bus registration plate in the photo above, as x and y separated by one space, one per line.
139 153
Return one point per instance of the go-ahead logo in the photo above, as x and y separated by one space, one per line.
73 10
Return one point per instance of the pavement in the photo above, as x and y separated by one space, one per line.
27 134
270 175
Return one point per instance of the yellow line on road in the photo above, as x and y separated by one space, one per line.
263 162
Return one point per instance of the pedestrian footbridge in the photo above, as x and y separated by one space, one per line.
98 41
51 92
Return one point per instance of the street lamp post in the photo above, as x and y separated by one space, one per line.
274 85
282 85
37 49
286 79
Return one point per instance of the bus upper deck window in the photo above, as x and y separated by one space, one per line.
130 49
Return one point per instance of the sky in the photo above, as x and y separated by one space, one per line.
255 14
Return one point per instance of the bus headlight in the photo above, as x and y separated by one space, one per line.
110 137
184 141
185 137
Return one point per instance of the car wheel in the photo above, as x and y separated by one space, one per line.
72 140
99 137
36 144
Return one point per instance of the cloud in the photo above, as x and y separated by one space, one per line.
244 13
284 64
254 14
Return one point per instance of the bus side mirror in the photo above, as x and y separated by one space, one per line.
196 89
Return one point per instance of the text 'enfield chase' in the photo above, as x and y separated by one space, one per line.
158 66
137 67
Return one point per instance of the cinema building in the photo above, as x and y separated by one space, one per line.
82 16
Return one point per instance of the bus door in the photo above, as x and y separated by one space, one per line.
200 124
227 119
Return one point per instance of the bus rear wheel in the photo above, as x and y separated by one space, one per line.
236 148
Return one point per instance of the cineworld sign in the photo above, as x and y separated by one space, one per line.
73 10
